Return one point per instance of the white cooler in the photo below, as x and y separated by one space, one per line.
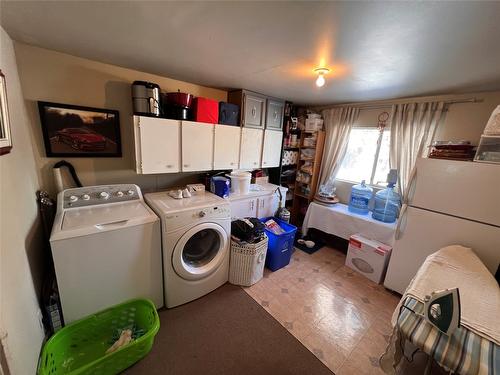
368 257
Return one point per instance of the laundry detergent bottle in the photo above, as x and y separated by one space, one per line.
360 198
387 204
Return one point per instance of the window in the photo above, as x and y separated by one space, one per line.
367 156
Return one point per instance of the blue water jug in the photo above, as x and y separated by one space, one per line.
387 204
360 198
220 186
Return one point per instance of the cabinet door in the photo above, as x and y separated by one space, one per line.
271 152
227 147
157 145
197 146
254 110
267 205
243 208
251 148
274 114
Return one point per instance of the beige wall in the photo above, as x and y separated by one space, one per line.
52 76
463 121
20 237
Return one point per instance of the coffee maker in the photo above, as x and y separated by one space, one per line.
146 98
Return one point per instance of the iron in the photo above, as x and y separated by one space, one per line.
442 310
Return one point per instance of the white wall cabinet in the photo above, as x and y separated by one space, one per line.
172 146
197 146
271 150
251 148
157 145
227 147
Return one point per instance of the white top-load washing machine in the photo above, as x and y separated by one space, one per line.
195 239
106 246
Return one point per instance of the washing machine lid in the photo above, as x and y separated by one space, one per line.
87 220
164 203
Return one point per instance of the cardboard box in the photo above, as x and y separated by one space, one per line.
368 257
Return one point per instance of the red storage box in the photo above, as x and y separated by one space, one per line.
206 110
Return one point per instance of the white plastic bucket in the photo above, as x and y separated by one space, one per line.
240 182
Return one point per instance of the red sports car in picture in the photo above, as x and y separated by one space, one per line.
81 139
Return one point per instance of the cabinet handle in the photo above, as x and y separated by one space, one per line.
275 115
265 162
186 165
169 165
251 205
231 163
254 163
254 111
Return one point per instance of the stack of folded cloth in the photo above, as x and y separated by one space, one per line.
458 150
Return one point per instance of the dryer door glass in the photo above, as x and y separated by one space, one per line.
201 248
200 251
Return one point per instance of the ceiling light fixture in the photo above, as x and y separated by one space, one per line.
320 81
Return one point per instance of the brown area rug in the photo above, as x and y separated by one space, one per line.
225 332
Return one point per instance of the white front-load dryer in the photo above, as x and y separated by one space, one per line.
196 243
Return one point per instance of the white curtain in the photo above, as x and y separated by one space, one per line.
412 129
338 124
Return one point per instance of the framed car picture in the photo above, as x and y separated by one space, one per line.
75 131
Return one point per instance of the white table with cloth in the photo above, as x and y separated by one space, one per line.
339 221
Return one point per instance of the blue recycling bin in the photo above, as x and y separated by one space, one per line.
280 246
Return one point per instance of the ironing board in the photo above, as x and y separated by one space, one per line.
339 221
464 352
474 347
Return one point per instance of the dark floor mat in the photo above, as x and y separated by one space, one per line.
225 333
318 244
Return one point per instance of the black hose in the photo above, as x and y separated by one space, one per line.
64 163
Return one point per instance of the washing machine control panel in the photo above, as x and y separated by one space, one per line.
212 212
103 194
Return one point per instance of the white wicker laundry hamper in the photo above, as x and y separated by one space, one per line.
246 266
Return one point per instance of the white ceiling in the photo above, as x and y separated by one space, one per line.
377 50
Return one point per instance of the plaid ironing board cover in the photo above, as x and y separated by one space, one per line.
464 352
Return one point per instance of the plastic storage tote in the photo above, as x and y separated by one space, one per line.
80 347
279 250
206 110
229 114
360 198
387 203
246 266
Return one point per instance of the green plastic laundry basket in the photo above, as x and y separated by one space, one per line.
80 347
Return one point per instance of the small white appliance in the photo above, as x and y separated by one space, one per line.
106 247
195 239
449 203
368 257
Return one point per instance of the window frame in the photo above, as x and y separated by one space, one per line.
375 160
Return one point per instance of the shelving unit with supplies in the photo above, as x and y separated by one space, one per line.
307 173
284 175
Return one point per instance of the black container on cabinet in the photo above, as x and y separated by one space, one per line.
229 114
